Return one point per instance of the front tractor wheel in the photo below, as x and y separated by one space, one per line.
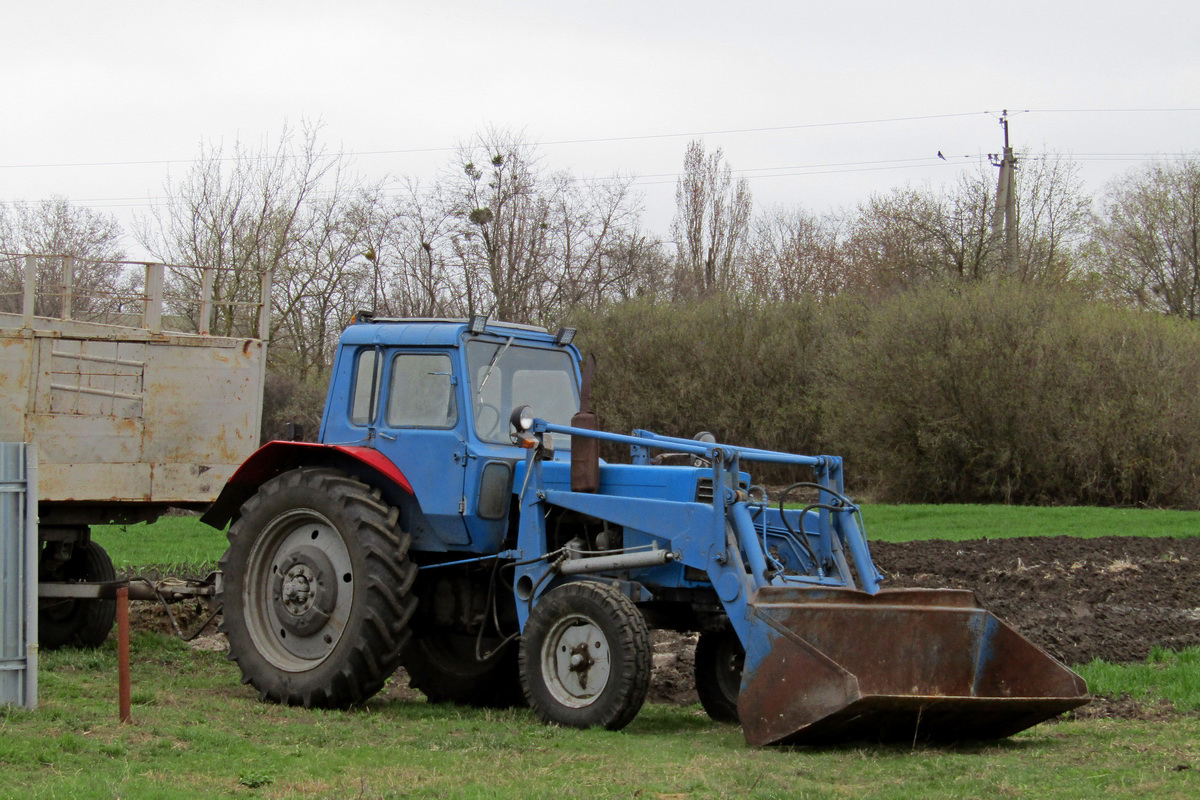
585 657
316 590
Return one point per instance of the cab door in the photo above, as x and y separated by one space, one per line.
419 426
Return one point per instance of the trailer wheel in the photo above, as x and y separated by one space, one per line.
443 666
72 622
316 590
718 671
585 657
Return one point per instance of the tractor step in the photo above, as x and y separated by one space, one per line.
833 665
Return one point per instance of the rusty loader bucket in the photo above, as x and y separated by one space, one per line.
903 665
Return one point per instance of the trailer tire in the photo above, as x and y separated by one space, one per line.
316 590
74 622
585 633
718 672
443 666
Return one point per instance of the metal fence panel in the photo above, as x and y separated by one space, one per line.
18 575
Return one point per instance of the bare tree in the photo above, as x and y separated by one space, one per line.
241 215
503 221
593 221
711 223
422 276
528 244
794 253
1054 218
328 277
1149 237
54 227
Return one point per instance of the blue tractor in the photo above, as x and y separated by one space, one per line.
455 518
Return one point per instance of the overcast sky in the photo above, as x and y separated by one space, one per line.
105 84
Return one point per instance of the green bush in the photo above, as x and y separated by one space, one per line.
746 373
970 393
1015 394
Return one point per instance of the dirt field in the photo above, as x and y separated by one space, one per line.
1112 598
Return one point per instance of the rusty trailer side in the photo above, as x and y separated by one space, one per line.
122 410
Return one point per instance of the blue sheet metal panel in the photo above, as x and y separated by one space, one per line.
18 578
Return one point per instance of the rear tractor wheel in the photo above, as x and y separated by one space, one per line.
585 657
444 667
316 590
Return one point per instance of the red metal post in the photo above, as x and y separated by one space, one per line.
123 653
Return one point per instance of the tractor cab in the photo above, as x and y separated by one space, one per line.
434 397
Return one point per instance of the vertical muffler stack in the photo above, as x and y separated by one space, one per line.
904 665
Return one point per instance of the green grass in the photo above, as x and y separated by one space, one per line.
905 523
187 541
198 733
1166 675
184 542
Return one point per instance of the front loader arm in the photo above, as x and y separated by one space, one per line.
828 655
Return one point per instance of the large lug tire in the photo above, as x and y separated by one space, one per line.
444 667
719 662
316 590
65 622
585 657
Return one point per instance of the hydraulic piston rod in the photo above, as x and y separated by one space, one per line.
623 561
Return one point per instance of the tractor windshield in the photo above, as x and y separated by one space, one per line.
506 375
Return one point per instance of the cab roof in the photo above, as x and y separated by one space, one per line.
433 332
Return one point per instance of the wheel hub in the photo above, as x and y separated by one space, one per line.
304 592
298 594
576 658
580 663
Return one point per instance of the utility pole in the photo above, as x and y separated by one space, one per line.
1006 200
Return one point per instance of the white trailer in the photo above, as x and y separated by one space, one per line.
134 407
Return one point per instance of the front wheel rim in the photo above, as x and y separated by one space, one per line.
576 661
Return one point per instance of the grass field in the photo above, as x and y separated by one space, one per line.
1166 675
906 523
187 541
198 733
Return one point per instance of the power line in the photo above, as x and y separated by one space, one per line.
1110 110
629 138
795 170
594 140
641 180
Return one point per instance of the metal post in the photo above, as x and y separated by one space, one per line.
30 290
123 692
152 306
264 308
68 293
31 576
206 297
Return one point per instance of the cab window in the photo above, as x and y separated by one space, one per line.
366 388
505 375
421 392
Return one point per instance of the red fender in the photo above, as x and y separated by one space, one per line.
275 458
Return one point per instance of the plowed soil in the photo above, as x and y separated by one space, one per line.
1112 598
1079 599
